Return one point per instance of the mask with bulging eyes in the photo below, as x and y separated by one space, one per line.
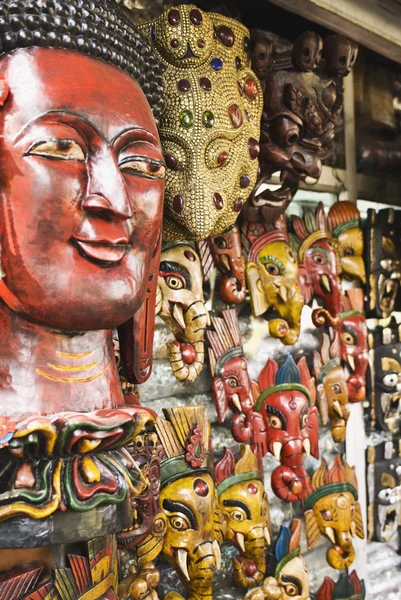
386 376
383 262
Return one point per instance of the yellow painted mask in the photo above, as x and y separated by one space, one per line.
211 121
272 274
344 220
188 499
243 504
333 510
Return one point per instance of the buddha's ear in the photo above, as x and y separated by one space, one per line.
136 335
255 285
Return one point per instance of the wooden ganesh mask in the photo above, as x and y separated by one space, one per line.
354 348
317 264
188 498
303 98
243 514
181 305
272 275
211 122
383 262
345 226
332 389
286 406
289 580
333 510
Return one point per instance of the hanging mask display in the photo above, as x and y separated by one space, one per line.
181 305
317 264
383 262
224 251
286 404
354 347
272 276
332 390
384 491
187 498
385 343
333 510
289 580
303 98
348 587
211 123
244 514
345 225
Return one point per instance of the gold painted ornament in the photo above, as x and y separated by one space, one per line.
210 126
334 511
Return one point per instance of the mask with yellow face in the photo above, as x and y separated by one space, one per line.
244 514
344 221
272 275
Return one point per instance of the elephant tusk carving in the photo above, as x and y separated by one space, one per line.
241 540
217 554
329 532
277 450
179 315
182 562
306 446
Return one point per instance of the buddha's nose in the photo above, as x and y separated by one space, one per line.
99 205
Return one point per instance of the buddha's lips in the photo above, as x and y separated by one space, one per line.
102 251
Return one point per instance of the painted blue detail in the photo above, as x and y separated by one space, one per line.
282 546
153 33
6 439
288 372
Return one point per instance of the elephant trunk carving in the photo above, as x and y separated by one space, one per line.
226 251
250 566
290 480
181 305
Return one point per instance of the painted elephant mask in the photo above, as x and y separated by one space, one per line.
188 499
332 389
182 307
286 406
243 504
345 227
317 264
290 581
355 352
226 251
303 98
272 274
333 510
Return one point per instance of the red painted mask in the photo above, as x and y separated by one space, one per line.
311 241
82 190
232 386
291 425
226 251
354 346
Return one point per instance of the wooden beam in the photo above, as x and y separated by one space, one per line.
372 23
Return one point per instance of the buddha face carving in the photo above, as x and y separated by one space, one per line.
272 274
302 102
210 139
77 232
383 252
